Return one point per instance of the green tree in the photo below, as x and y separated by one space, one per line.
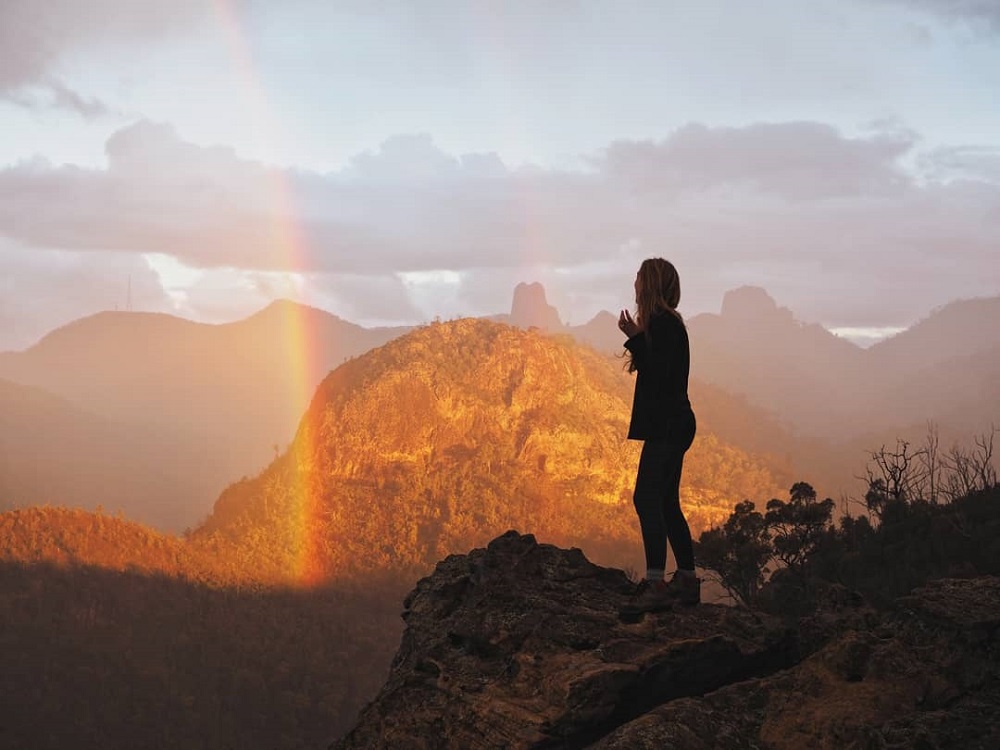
738 552
798 526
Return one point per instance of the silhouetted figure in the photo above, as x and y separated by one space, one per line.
659 355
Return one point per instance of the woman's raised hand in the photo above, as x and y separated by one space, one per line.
627 324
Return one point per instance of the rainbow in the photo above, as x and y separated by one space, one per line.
291 252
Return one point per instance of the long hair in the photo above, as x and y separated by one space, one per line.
658 290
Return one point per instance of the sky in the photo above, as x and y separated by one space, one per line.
395 162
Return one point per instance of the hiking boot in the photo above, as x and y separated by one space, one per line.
684 589
649 596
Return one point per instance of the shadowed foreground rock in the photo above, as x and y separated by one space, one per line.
926 676
518 646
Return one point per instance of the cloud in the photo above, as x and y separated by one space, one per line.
54 94
37 39
374 298
221 295
986 12
834 227
794 160
978 163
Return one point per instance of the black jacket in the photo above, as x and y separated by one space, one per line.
662 363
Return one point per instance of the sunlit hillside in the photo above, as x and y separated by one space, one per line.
69 537
443 438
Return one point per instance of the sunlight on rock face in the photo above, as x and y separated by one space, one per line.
454 432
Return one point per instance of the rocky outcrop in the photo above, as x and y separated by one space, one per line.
519 646
925 676
753 305
530 308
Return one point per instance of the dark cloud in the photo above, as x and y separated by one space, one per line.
54 94
36 38
985 12
830 225
973 162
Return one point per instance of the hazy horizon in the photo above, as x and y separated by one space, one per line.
861 337
205 157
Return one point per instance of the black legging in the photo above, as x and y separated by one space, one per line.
657 497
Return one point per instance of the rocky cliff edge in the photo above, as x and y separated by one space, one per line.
518 645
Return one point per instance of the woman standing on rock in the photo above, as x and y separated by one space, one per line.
659 355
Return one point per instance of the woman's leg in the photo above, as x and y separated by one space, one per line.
652 480
657 497
677 530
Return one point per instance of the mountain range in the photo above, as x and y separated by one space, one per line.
176 410
154 415
285 599
279 609
944 369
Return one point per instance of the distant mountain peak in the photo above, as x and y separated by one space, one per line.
281 303
603 317
531 309
284 306
957 329
752 302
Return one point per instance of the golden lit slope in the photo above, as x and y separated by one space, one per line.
69 536
443 438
